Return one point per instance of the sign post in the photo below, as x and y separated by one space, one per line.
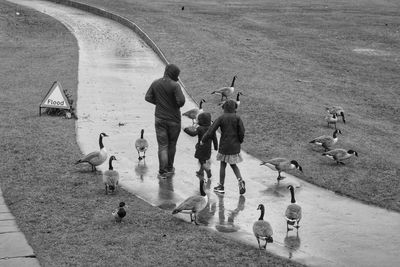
55 98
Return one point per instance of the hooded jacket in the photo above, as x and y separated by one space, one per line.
167 95
232 130
203 152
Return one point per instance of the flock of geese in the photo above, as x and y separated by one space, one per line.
111 177
194 204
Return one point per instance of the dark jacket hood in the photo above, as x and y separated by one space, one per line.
229 106
204 119
172 71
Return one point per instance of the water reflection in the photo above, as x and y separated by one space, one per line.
166 193
141 169
228 226
292 243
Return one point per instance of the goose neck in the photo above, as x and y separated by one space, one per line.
101 141
202 192
262 214
233 81
141 134
110 166
293 200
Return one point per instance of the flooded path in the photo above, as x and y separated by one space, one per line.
116 69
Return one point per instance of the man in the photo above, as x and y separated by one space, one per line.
167 95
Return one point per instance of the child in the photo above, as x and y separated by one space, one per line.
203 152
232 135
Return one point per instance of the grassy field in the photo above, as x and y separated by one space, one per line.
292 59
62 210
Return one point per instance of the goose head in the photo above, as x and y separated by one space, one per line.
262 209
352 152
110 162
122 204
201 103
296 165
101 140
336 132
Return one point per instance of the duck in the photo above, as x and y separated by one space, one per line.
293 211
141 145
193 113
262 229
194 204
237 100
96 158
331 119
340 154
120 212
327 141
226 91
111 177
282 164
338 110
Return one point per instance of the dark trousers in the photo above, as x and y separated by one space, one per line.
167 135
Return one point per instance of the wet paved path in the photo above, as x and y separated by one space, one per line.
115 70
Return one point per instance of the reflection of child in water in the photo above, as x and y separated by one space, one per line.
203 151
229 226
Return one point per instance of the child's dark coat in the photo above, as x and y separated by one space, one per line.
203 152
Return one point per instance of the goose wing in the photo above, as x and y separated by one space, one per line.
324 139
193 203
141 144
110 177
262 229
293 212
91 156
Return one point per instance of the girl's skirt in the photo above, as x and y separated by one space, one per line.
230 159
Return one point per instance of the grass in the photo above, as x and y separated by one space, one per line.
61 209
293 58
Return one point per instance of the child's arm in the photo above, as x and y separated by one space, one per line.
241 130
211 131
215 141
191 131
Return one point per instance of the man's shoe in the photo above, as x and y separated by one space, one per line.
162 175
171 171
219 189
242 188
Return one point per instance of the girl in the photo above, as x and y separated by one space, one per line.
232 135
203 152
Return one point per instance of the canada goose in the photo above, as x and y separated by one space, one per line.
338 110
193 113
340 154
226 91
282 164
326 141
120 212
262 229
331 119
193 204
141 145
293 211
110 177
237 100
96 158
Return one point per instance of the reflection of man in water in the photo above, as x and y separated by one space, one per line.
166 194
229 226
